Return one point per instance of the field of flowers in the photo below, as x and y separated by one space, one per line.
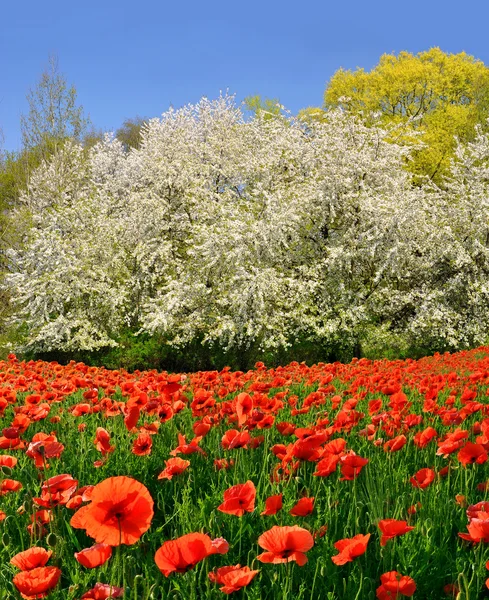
358 481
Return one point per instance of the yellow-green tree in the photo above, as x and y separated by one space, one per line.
441 95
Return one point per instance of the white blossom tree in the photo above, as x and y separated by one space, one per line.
252 234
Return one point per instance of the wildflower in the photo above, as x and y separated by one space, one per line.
95 556
392 528
285 544
120 511
350 548
232 579
239 499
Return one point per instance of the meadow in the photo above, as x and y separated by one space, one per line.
333 481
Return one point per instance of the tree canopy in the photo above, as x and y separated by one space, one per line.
253 233
441 95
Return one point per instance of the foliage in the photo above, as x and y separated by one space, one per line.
247 238
441 95
130 132
53 113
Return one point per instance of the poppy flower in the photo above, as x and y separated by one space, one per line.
185 447
8 461
103 591
272 505
452 590
3 515
219 545
243 405
350 548
395 444
395 585
285 544
478 529
31 558
142 444
56 490
391 528
235 439
173 466
120 511
182 554
223 463
423 478
327 465
239 499
9 485
132 417
351 466
303 508
102 441
37 582
423 438
472 453
232 579
95 556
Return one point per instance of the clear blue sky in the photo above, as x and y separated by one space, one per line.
139 57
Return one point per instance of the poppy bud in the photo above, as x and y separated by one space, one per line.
5 539
51 540
21 510
6 470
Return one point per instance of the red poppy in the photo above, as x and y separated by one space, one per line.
351 466
102 441
120 511
36 582
9 485
173 466
142 444
132 417
95 556
187 448
239 499
232 578
272 505
223 463
285 544
327 465
478 529
423 438
243 404
184 553
423 478
235 439
452 590
303 508
31 558
395 444
8 461
391 528
472 453
350 548
56 490
395 585
103 591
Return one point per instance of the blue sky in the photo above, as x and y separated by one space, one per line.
138 58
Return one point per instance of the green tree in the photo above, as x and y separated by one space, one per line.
267 106
130 132
441 95
53 115
52 119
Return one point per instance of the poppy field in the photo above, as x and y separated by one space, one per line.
332 481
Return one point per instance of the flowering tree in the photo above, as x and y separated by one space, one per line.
251 234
